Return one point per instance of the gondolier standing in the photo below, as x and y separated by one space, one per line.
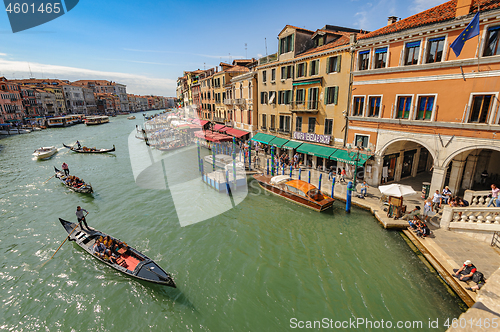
79 146
65 169
81 217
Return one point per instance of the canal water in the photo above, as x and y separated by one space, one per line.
256 267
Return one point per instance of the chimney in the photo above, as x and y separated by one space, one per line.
392 20
463 7
353 38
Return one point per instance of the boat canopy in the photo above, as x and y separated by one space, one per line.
301 185
280 179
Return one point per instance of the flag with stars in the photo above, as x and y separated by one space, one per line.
471 31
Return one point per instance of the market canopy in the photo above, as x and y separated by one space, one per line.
278 142
236 132
350 158
263 138
316 150
212 137
218 127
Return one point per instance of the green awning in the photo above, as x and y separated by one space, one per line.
290 145
306 82
316 150
344 157
278 142
263 138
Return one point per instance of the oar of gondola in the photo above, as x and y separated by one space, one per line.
67 238
49 179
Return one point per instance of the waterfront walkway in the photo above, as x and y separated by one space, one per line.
445 250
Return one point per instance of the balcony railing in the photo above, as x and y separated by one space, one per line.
269 58
240 101
477 218
228 102
219 119
305 106
477 198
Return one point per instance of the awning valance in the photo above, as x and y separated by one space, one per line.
316 150
278 142
290 145
306 82
263 138
344 157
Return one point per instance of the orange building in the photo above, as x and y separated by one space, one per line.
423 109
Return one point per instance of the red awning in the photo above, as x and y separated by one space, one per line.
218 127
224 129
212 137
236 132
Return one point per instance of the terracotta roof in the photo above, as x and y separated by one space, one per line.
294 27
441 13
240 69
343 40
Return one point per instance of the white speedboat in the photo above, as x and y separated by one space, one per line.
45 152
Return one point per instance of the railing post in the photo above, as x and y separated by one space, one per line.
446 218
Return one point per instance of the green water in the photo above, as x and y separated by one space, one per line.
253 268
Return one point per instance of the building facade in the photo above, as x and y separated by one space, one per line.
422 108
11 104
304 89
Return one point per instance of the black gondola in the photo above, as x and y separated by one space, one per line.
90 150
84 189
130 262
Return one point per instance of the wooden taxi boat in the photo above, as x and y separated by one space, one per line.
297 191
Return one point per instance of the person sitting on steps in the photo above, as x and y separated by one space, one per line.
478 278
412 214
465 272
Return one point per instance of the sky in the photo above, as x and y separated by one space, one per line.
148 44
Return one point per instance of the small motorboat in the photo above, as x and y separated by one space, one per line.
81 187
45 152
297 191
84 149
131 117
128 261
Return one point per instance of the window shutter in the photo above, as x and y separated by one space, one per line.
339 57
328 61
279 46
336 95
293 46
290 95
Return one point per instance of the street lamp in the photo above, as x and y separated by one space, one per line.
354 152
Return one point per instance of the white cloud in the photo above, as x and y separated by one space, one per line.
137 84
3 54
362 21
421 5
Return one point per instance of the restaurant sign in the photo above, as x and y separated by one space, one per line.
309 137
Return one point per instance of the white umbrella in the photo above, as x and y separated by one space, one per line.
397 190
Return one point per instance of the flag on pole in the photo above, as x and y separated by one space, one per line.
471 31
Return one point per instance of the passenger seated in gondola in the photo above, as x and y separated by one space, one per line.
99 249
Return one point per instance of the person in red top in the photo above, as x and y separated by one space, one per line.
465 272
65 169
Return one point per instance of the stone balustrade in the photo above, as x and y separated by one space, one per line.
478 218
477 198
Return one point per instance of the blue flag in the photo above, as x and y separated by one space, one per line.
472 30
